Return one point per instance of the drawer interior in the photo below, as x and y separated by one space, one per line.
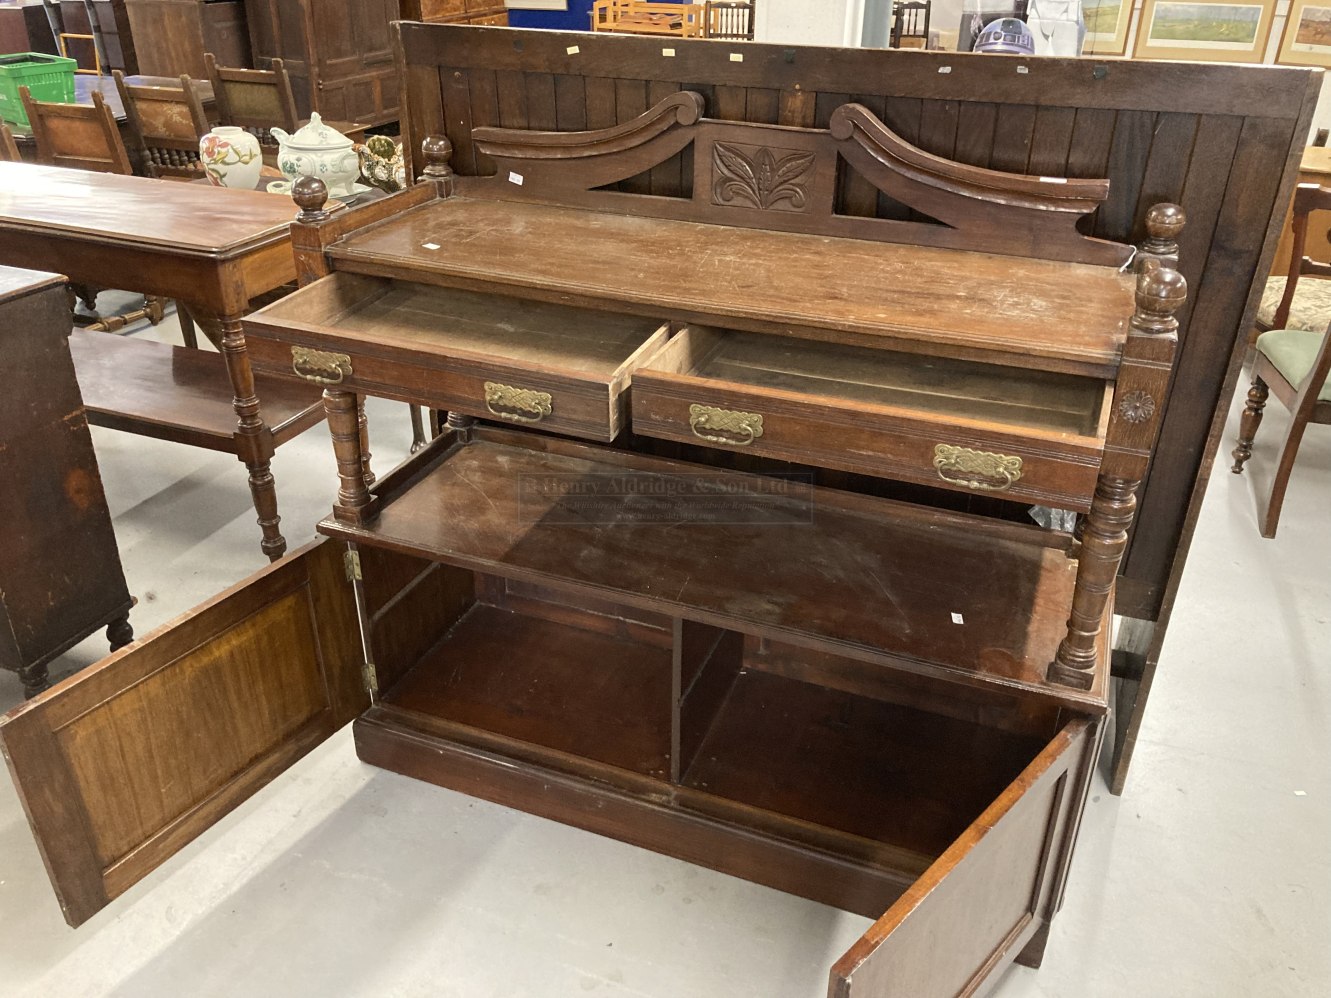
945 387
578 342
721 723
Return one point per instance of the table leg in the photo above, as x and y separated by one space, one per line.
254 441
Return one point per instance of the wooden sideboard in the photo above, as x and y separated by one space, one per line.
60 574
1222 141
171 36
481 12
614 592
339 54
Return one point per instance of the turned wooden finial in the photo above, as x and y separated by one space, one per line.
1164 222
438 151
310 195
1161 291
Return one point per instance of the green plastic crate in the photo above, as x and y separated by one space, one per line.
49 77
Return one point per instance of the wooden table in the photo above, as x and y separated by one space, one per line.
214 249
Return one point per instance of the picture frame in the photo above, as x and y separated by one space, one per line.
1306 39
1205 30
1107 23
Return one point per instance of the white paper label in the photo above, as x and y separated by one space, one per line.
668 53
958 618
572 50
945 69
1053 180
1300 793
515 178
430 245
736 56
1022 70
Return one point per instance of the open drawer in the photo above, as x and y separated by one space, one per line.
1026 435
563 369
949 812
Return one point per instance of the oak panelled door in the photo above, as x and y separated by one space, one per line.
123 764
973 911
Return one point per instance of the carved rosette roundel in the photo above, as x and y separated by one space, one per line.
1136 407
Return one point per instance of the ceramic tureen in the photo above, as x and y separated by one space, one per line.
317 150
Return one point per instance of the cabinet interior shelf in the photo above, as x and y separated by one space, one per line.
707 724
948 595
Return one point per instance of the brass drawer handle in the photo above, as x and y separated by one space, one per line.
520 405
744 427
976 469
320 366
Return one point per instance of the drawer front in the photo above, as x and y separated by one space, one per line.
588 409
433 10
819 432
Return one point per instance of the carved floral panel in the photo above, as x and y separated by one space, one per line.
763 177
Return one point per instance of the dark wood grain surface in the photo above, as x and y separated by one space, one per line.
184 219
1027 312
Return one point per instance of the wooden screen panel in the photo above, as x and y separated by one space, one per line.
125 763
971 913
1072 117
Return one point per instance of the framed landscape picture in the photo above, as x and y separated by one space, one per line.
1307 37
1205 30
1107 26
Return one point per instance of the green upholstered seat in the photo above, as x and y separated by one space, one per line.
1311 308
1292 352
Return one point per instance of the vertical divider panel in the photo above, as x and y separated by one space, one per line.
705 664
484 90
975 133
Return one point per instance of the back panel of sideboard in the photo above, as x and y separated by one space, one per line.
1224 146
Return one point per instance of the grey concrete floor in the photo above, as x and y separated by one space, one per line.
1210 877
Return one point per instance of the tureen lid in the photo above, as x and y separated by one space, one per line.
317 135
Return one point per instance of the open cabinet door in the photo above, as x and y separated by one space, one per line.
124 763
975 909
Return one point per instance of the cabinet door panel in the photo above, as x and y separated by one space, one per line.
123 764
972 912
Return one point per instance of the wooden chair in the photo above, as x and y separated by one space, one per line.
82 136
729 19
168 123
8 147
1294 363
910 25
254 99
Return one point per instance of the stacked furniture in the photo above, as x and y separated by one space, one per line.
60 574
338 53
491 12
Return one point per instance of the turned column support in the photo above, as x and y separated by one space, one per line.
1134 423
438 153
1253 410
355 504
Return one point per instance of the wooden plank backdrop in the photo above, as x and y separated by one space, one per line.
1221 140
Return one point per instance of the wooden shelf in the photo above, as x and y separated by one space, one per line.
1027 313
943 594
175 393
882 771
598 696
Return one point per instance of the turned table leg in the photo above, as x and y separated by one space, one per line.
254 441
1248 424
355 504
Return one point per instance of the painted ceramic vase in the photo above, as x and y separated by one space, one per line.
381 163
318 151
231 157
